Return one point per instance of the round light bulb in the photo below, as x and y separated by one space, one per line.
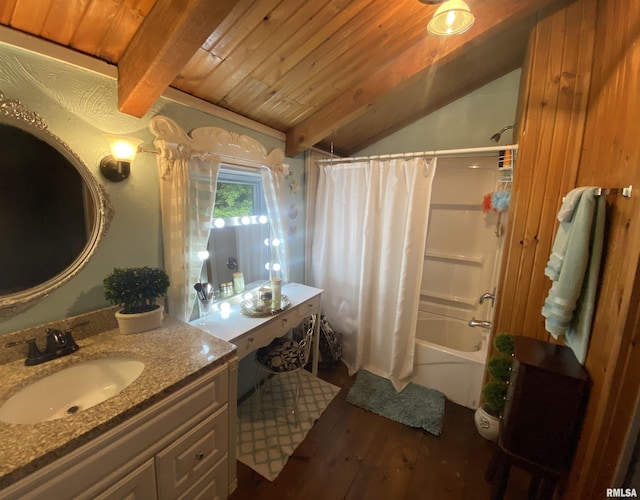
203 254
275 242
219 223
246 220
276 267
262 219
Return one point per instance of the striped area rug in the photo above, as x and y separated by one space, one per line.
267 435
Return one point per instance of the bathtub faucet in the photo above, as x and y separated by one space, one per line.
491 296
482 324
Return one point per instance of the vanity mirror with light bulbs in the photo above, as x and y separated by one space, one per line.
53 211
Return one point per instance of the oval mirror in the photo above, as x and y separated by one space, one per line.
53 212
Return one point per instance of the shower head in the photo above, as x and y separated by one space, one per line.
496 137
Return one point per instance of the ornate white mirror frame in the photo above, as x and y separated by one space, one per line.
14 113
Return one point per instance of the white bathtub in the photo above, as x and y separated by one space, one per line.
450 357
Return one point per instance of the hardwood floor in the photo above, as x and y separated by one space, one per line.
351 453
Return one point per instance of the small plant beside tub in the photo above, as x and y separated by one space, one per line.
136 290
487 417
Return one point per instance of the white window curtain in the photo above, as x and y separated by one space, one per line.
273 184
187 197
369 240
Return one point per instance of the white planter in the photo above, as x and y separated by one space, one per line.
488 426
140 322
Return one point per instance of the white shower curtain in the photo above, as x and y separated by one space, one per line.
187 197
368 251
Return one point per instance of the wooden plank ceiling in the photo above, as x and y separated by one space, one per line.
329 73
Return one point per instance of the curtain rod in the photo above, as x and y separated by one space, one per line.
435 152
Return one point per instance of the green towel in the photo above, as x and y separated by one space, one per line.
569 306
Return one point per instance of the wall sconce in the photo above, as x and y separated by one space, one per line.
116 167
451 18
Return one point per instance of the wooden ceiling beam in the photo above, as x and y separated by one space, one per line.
492 16
169 36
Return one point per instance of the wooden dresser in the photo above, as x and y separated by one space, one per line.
541 422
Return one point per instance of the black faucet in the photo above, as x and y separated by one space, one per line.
59 344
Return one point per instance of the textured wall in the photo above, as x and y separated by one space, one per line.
80 106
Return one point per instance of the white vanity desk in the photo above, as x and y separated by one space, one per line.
249 334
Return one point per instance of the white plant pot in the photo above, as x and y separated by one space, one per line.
140 322
488 426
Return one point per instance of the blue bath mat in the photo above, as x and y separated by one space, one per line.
415 406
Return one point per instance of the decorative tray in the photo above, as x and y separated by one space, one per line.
254 309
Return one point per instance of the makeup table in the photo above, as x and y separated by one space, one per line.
249 334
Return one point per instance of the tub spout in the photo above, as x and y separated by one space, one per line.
482 324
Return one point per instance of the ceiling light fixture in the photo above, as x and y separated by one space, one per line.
117 166
451 18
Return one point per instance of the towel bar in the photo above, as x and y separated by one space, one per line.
625 191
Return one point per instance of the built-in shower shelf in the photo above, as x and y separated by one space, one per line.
456 206
462 259
451 299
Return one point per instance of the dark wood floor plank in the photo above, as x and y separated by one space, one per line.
387 468
353 454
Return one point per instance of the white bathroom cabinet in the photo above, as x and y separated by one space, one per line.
181 447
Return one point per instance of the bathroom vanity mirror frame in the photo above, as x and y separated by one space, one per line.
14 113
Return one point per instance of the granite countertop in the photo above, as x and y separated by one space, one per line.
174 355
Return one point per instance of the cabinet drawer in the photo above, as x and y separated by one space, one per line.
138 484
252 341
184 462
245 345
282 323
212 486
311 306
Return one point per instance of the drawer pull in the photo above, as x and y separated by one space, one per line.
250 339
199 456
310 306
284 321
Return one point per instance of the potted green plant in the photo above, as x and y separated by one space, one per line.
136 290
494 393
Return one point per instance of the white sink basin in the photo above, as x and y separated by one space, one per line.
70 390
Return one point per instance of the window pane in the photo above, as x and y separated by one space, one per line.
233 200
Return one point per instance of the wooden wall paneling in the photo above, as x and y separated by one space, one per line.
509 267
550 136
612 159
568 77
589 50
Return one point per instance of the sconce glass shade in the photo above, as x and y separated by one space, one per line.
123 148
116 167
451 18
